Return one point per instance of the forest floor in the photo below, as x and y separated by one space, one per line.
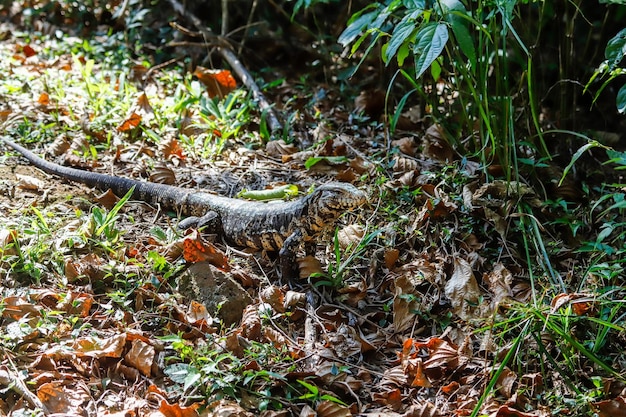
420 303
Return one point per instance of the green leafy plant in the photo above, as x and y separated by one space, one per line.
314 394
341 264
104 222
468 51
614 53
561 339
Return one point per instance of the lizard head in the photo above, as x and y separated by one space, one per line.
335 198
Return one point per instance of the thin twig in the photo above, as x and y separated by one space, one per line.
17 384
224 17
230 57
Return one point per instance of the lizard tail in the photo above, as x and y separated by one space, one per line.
145 191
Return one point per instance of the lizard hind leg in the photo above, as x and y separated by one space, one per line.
210 221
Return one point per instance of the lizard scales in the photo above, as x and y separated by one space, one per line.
275 226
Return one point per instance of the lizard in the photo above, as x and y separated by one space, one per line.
276 226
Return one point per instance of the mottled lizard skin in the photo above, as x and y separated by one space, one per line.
274 226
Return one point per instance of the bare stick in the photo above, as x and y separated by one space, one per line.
243 74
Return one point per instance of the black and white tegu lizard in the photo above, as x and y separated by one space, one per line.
275 226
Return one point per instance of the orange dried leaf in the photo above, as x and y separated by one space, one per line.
28 51
197 312
420 380
171 147
4 114
44 99
219 83
391 257
450 388
582 308
130 123
176 410
392 398
195 249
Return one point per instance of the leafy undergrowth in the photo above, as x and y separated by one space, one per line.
420 304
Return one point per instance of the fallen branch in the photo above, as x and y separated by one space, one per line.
236 65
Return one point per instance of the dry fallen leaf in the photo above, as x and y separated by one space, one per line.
350 235
26 182
162 174
441 354
219 83
611 408
7 239
143 108
416 371
18 308
171 147
370 102
435 144
506 411
506 382
406 145
107 199
402 165
64 398
273 296
308 266
278 148
177 410
332 409
462 289
405 302
130 123
95 347
44 99
27 50
250 326
196 249
391 256
141 356
294 299
499 281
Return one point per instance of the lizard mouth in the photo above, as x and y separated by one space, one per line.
348 201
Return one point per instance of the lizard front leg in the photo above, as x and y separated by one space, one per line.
211 220
287 255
